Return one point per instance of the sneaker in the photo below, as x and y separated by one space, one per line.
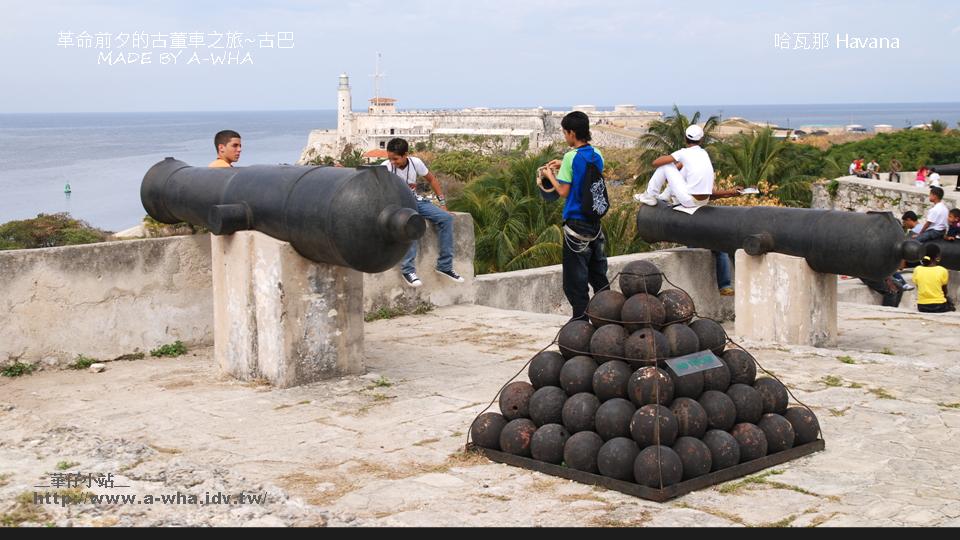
453 275
727 291
645 198
909 287
411 279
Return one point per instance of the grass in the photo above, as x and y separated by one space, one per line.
171 350
4 479
24 511
881 393
83 362
846 360
832 381
855 385
381 397
949 405
130 357
888 352
735 487
785 522
839 412
18 369
382 382
389 312
64 465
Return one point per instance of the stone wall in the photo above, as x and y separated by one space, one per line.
105 300
862 195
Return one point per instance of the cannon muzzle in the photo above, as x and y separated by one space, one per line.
363 219
867 245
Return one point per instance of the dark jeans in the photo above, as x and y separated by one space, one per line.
930 235
722 261
891 290
936 308
583 267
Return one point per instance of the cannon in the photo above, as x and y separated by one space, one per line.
364 218
949 253
949 169
869 245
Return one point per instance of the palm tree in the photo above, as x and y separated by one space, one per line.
669 135
752 157
514 228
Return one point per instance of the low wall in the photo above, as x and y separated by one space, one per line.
105 300
540 290
861 195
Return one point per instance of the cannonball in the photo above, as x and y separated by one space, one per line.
752 441
516 437
652 425
647 345
721 412
805 425
657 467
711 335
689 385
580 413
576 376
607 343
650 385
774 395
691 418
778 431
616 458
694 456
546 405
642 311
724 449
581 451
613 418
678 306
545 369
604 308
610 380
717 378
748 402
548 442
742 366
515 400
640 277
682 340
485 430
574 338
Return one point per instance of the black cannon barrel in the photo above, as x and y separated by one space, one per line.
867 245
949 169
949 253
363 219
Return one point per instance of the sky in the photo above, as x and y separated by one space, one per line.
495 53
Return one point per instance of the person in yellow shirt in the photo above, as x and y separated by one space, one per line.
228 147
931 280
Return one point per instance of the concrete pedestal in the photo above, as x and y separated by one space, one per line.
283 318
780 299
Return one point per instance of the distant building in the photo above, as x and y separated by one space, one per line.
478 128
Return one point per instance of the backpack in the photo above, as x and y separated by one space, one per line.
594 201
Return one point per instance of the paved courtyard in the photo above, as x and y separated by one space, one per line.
384 448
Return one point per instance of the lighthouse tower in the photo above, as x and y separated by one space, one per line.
344 108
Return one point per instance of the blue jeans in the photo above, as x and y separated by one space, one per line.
444 224
930 235
722 261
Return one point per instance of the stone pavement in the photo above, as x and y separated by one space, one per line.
384 448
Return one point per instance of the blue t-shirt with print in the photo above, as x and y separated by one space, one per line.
572 171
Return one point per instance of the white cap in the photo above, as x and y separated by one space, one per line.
694 132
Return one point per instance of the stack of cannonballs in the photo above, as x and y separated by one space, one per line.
608 404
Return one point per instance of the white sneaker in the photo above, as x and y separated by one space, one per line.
909 287
645 198
412 280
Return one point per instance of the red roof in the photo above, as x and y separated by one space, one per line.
383 101
376 154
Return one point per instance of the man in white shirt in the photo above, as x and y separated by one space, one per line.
689 176
410 168
936 224
934 178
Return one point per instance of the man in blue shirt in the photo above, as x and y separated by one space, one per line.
584 262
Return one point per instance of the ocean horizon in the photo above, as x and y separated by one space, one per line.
105 155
